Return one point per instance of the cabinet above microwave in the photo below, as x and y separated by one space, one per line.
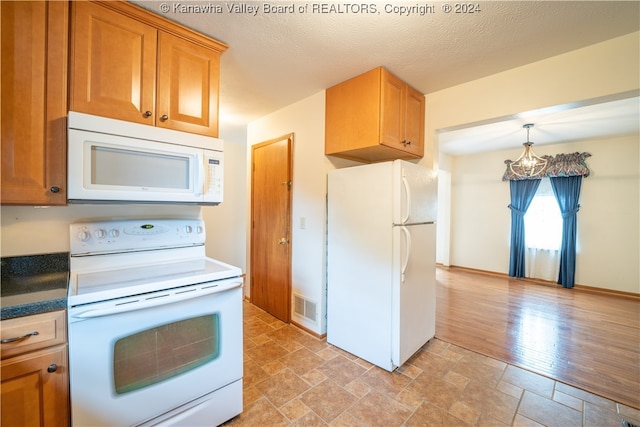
113 161
131 64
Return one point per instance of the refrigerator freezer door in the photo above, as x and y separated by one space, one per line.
414 298
415 193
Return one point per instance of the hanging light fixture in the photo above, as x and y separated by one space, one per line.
528 164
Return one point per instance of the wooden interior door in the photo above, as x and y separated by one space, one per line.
270 279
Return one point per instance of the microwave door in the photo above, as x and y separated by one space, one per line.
114 168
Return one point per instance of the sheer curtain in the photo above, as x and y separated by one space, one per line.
543 234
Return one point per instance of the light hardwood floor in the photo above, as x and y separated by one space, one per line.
589 340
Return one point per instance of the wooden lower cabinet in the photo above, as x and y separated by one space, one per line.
35 388
35 371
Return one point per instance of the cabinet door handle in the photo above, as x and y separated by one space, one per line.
55 189
164 118
52 368
14 339
147 113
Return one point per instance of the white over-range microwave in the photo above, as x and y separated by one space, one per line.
113 161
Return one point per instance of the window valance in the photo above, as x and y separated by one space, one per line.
560 165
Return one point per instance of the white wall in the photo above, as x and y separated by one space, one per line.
27 230
608 230
443 223
226 223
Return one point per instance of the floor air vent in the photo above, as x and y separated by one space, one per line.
305 308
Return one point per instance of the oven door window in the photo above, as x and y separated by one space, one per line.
163 352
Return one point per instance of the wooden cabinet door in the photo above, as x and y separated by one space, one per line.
34 102
113 64
188 82
391 111
414 121
33 396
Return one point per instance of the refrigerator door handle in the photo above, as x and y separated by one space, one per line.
407 191
405 263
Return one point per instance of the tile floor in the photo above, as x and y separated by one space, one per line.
294 379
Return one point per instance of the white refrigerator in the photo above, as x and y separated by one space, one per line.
381 297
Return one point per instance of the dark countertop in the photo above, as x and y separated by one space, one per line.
34 284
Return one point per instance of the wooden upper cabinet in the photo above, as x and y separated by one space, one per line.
188 80
113 67
414 121
133 65
374 117
392 126
34 39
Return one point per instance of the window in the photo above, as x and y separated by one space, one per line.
543 220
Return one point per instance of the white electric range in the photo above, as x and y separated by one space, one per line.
155 326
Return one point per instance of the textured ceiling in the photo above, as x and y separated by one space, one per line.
277 58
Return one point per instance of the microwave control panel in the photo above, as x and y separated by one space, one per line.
215 179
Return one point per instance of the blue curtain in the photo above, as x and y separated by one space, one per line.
522 192
567 192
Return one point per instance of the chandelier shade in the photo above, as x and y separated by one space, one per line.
528 165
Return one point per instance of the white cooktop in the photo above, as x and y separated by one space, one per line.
115 259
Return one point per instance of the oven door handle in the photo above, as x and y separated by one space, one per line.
170 297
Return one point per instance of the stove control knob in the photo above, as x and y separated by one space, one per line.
200 230
114 232
188 229
100 233
83 236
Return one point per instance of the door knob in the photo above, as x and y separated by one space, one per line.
282 241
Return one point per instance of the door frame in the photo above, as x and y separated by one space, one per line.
290 138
